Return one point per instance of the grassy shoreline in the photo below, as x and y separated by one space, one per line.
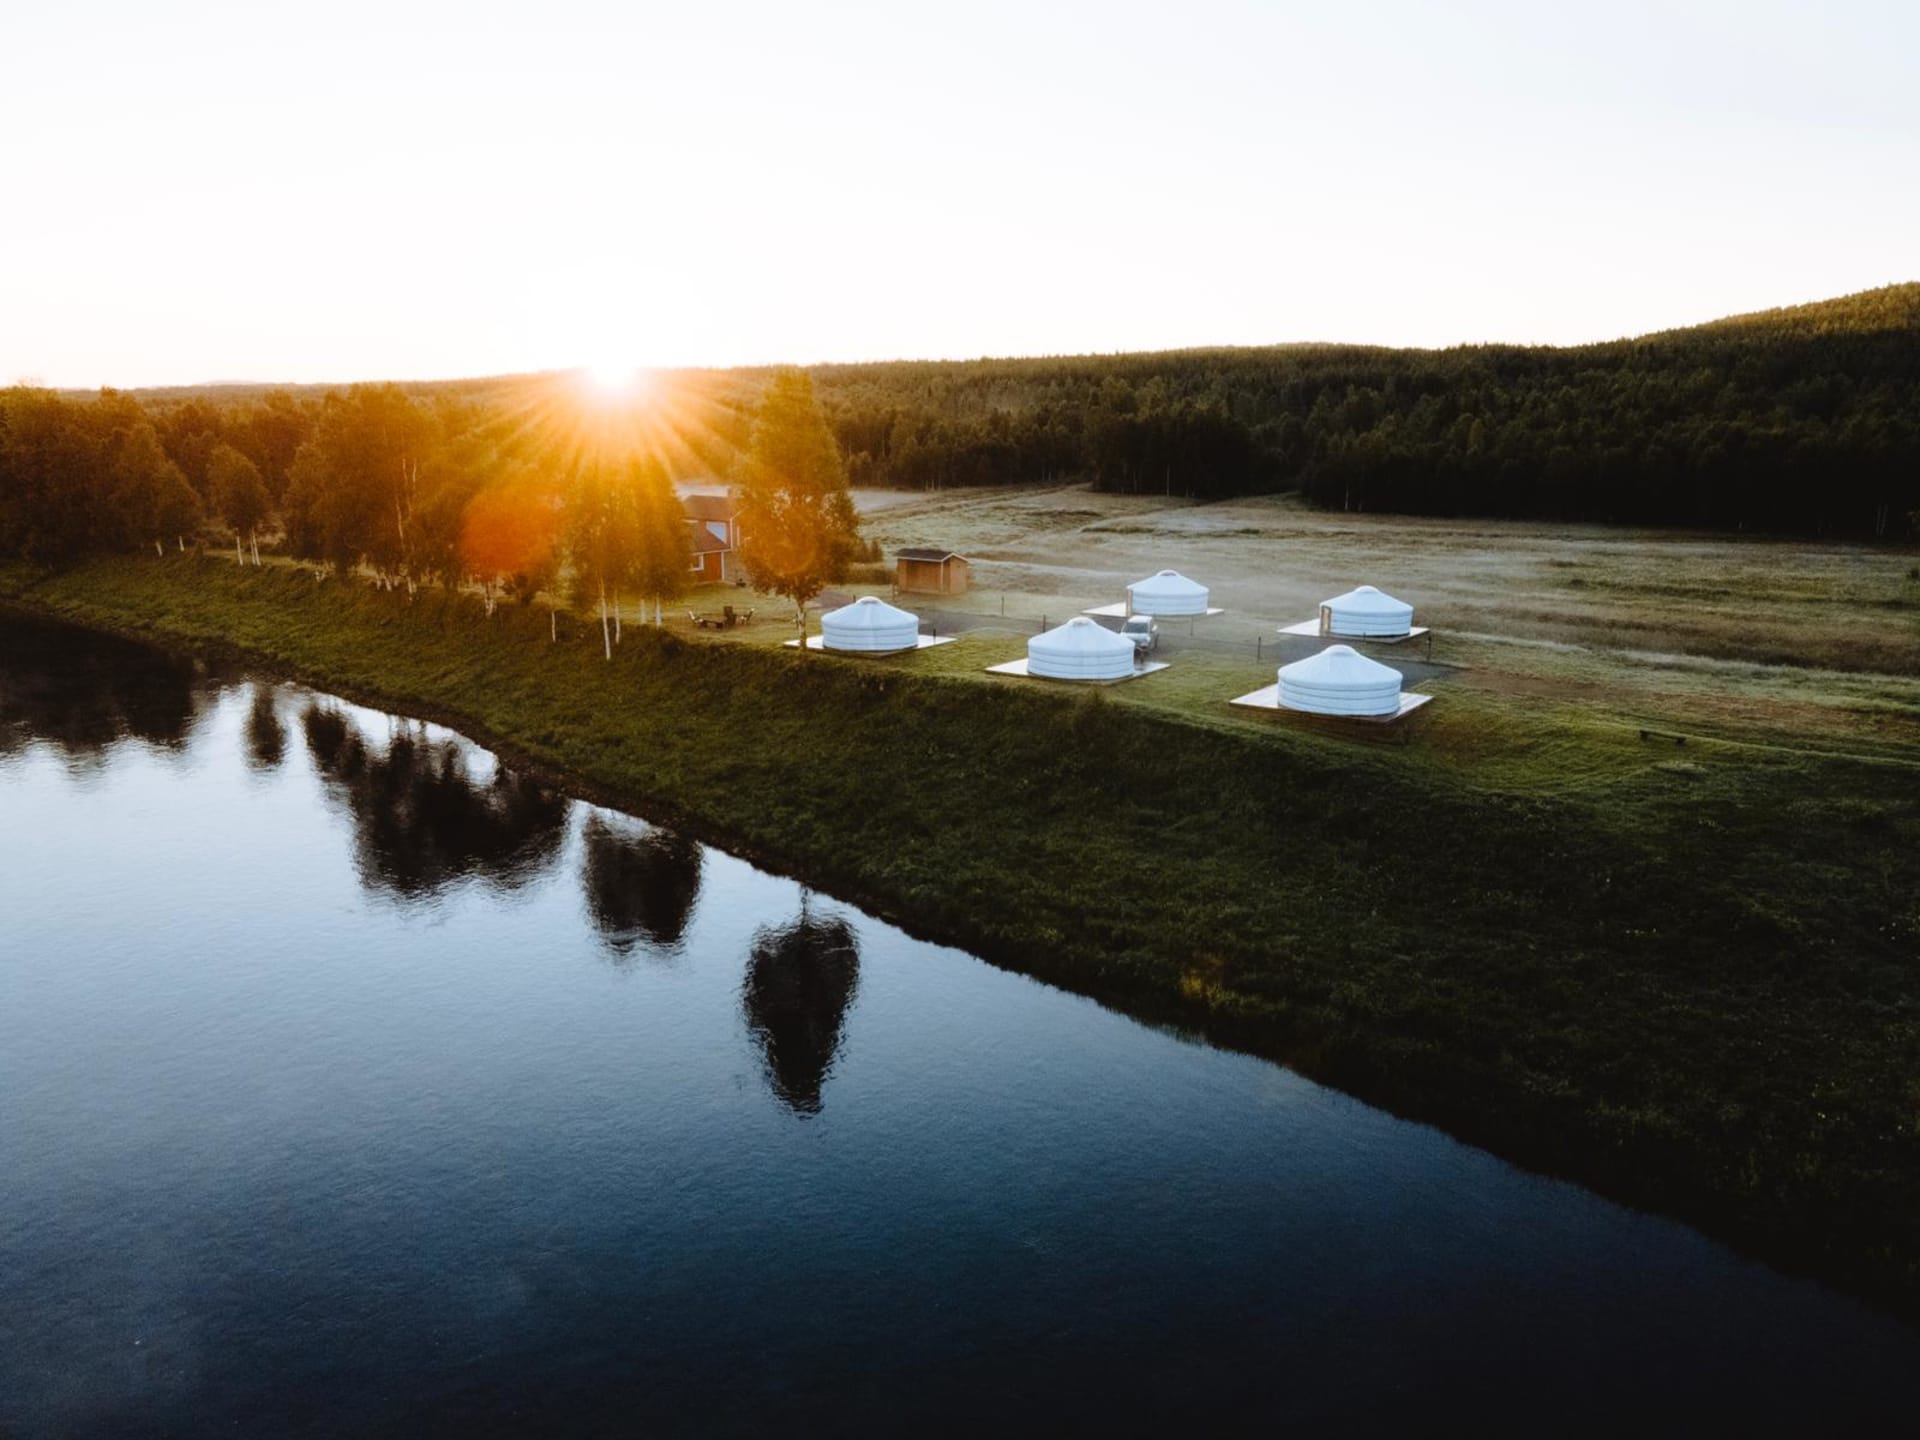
1696 986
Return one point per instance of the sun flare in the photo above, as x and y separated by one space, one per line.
613 380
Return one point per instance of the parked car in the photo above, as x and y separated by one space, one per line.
1144 631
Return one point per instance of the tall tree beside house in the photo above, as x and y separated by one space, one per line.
798 530
603 538
150 494
663 557
240 495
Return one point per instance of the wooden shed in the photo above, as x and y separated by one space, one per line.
930 572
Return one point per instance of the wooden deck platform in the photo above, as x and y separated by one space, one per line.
1312 627
1019 667
925 642
1268 698
1119 611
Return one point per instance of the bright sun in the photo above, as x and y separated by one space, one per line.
616 380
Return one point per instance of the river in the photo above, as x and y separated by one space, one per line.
352 1084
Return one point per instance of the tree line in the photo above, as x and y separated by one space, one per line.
510 487
1804 420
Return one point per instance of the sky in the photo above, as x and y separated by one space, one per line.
200 192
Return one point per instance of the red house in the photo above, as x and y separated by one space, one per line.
714 528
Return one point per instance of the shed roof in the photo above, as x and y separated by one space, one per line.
927 552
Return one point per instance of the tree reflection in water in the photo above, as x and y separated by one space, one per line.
800 980
420 822
83 692
641 888
266 736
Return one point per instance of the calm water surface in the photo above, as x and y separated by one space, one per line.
351 1084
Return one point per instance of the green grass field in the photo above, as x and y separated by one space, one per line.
1784 642
1685 974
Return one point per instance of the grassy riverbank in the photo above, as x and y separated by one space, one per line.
1693 981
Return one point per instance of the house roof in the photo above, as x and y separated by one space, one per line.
927 552
708 507
705 542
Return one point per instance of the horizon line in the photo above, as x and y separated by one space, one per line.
30 382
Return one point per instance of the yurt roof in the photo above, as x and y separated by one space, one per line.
1367 600
1083 636
1169 582
1339 666
870 612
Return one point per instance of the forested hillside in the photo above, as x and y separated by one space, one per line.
1803 420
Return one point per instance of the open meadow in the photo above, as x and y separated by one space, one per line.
1778 643
1566 655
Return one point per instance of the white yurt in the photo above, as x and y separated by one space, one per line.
1168 593
1365 611
1340 681
871 625
1080 650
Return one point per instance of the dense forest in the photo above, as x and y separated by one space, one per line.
509 486
449 487
1803 420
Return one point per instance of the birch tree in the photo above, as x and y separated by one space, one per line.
602 528
151 494
663 557
507 537
240 495
353 486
